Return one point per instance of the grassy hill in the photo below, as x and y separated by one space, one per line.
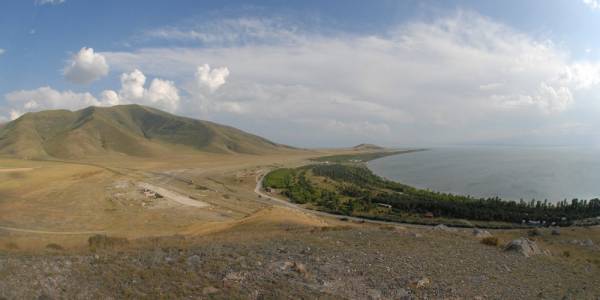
367 147
125 129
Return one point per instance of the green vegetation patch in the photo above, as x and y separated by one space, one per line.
361 157
352 189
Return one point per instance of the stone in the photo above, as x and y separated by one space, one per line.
209 290
443 227
534 232
524 246
423 283
480 233
374 294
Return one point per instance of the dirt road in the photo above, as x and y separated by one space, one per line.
174 196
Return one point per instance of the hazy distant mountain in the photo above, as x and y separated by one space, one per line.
126 129
367 147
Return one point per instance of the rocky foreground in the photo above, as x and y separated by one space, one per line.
352 261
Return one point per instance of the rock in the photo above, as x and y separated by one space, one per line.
534 232
415 235
524 246
300 268
400 293
194 260
423 283
480 233
374 294
209 290
583 243
443 227
555 231
587 243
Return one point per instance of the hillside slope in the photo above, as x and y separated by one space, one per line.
125 129
367 147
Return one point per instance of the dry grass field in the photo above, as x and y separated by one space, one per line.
245 246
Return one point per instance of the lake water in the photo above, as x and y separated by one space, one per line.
508 172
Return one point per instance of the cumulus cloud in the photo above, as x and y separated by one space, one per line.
46 98
161 93
109 98
459 78
212 79
50 2
593 4
132 85
85 66
439 81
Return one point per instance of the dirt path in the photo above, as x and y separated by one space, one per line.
174 196
15 170
50 232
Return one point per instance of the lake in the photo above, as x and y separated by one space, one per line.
511 173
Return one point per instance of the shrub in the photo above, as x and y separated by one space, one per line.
534 232
12 246
566 254
101 241
56 247
490 241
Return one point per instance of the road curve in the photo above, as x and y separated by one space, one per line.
258 190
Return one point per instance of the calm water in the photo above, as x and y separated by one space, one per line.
510 173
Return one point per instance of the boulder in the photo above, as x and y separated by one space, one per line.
555 231
524 246
480 233
443 227
423 283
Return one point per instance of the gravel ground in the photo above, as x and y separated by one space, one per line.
367 262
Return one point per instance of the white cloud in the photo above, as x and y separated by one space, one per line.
50 2
132 85
46 98
2 51
109 98
593 4
161 93
86 66
212 79
15 114
436 81
459 78
248 30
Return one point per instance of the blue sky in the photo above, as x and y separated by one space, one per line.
318 73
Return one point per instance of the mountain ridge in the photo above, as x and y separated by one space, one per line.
133 130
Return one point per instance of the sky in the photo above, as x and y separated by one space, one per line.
318 73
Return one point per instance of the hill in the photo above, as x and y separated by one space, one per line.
133 130
368 147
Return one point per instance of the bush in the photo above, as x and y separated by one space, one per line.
56 247
490 241
12 246
101 241
534 232
566 253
